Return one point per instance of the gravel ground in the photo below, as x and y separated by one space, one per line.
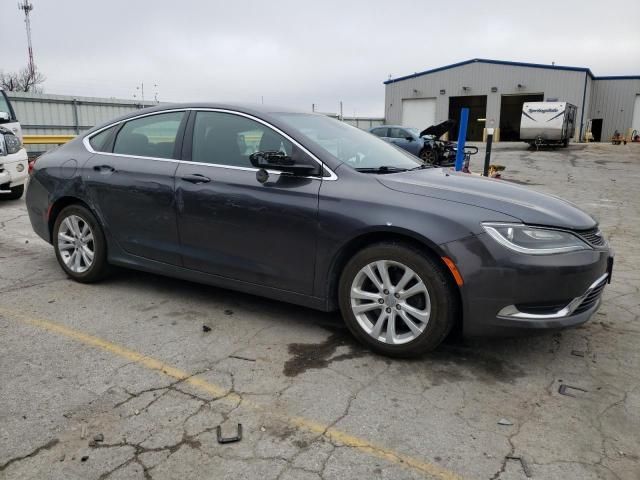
118 380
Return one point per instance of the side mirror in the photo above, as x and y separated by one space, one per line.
409 138
276 160
5 117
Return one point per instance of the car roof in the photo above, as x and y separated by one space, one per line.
258 110
239 107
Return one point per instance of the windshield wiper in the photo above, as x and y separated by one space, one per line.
421 167
382 169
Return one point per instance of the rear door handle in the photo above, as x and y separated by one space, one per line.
104 168
196 178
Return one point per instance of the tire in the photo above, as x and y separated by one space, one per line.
429 156
370 323
16 193
67 241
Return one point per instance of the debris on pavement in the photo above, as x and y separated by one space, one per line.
239 357
562 390
97 438
222 439
504 421
206 328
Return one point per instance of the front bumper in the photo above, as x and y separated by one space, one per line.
14 170
506 293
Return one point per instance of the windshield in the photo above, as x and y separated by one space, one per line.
4 104
415 131
357 148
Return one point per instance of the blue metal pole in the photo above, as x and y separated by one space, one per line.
462 138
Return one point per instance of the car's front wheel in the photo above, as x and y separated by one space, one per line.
429 156
397 300
80 245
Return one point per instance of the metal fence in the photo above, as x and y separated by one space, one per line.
43 114
365 123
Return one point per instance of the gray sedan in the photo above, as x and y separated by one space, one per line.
305 209
407 138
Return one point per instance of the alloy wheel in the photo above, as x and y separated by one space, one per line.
428 156
76 244
390 302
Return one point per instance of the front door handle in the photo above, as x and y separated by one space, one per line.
196 178
104 168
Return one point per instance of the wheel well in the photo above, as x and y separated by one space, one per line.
363 241
57 207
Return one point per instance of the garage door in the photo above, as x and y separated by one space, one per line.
635 125
419 113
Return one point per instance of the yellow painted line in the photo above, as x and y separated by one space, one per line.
331 433
46 139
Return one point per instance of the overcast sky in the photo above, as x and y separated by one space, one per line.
295 53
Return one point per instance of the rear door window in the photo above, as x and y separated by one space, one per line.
398 133
152 136
379 132
101 141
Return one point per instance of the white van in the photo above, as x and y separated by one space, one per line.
14 162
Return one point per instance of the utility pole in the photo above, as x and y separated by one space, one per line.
341 116
26 6
140 88
313 107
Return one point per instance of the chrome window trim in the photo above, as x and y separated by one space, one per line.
85 141
512 311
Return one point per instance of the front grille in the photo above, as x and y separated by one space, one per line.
592 298
592 237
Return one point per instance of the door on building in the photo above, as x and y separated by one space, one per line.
418 113
511 113
596 129
477 105
635 123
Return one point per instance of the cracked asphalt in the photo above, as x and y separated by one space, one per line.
118 380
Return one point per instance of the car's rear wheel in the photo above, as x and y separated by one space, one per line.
79 243
397 300
16 193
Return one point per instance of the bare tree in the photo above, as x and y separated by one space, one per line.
25 80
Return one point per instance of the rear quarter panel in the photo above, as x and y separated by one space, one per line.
57 174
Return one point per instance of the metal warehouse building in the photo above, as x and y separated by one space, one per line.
495 90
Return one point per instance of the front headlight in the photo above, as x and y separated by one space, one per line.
534 240
12 143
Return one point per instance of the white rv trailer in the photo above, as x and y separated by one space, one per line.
548 123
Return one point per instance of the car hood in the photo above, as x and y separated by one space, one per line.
527 205
439 129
